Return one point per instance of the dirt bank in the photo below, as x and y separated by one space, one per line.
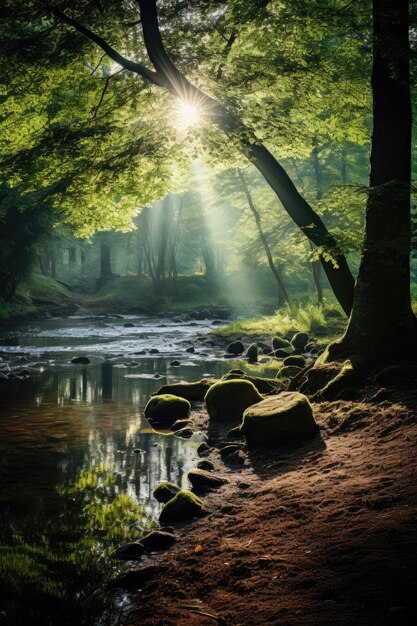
325 534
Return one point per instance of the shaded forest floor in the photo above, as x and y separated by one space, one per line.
325 534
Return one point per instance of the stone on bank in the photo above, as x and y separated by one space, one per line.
279 419
228 399
167 407
183 506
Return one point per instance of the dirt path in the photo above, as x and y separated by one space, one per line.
322 535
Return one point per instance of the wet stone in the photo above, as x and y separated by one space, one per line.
205 465
158 540
129 552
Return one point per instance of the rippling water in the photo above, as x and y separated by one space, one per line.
78 461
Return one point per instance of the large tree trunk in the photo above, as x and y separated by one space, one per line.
382 328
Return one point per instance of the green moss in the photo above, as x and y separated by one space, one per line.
35 295
252 353
345 378
184 505
280 342
227 400
288 371
194 392
278 419
167 407
165 491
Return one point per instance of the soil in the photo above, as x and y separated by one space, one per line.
321 534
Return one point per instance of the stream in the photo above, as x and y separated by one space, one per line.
78 460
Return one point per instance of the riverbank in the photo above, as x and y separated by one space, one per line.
42 296
324 534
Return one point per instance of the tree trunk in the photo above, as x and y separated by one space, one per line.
382 328
83 259
105 261
72 256
52 263
315 265
282 292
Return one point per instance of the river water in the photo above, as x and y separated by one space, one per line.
78 460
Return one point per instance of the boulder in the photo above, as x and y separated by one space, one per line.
167 408
234 433
184 505
158 540
236 347
263 385
280 342
165 491
289 371
202 480
252 353
154 351
128 325
227 399
205 465
80 360
300 340
185 433
230 449
283 353
130 551
278 419
194 392
236 372
175 363
191 350
298 361
203 449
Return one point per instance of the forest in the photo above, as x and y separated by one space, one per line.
208 301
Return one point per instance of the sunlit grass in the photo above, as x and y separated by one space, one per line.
309 318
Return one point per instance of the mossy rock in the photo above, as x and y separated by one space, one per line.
289 371
296 360
280 342
300 340
283 353
252 353
185 505
227 399
235 371
165 491
263 385
167 408
236 347
194 392
279 419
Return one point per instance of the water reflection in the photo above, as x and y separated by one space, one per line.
78 464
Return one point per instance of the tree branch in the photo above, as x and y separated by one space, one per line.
127 64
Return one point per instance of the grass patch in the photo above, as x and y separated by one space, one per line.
309 318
